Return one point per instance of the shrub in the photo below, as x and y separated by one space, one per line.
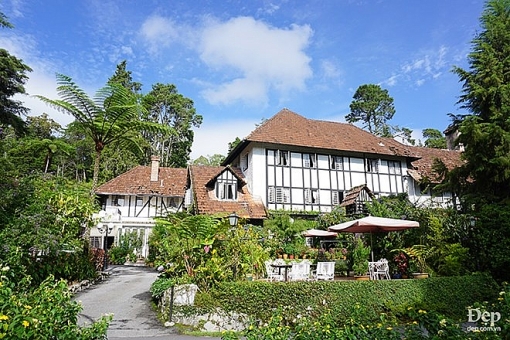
46 312
446 295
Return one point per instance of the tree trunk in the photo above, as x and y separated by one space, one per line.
96 171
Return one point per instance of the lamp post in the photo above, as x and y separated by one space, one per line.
233 219
108 229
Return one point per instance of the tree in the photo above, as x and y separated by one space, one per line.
110 118
214 160
434 139
123 77
12 80
232 145
485 131
373 106
166 106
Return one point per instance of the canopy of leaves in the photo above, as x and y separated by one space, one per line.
373 106
111 117
12 80
485 133
434 139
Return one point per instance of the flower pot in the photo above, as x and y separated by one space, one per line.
285 256
291 257
420 275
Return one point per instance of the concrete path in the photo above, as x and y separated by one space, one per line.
125 293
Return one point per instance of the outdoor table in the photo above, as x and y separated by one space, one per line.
284 266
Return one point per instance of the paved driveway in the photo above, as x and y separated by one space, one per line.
126 294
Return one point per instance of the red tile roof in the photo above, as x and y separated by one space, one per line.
207 203
171 182
422 168
289 128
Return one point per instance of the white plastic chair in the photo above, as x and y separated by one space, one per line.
324 271
272 272
372 270
300 271
382 270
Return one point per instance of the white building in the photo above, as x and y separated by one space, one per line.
289 162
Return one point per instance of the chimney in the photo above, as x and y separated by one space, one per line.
154 168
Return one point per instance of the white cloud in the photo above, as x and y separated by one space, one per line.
221 133
159 32
271 58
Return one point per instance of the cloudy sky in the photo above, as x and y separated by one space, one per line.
243 61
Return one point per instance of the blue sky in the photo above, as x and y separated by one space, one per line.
243 61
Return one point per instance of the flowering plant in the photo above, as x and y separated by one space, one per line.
402 263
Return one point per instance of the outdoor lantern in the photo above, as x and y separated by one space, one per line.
233 219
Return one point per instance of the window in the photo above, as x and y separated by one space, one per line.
278 195
394 168
311 196
337 162
282 157
372 165
139 201
117 200
95 242
227 191
308 160
244 162
337 197
226 187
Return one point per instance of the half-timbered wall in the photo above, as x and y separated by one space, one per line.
143 206
307 181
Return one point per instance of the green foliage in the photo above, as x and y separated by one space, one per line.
434 139
44 312
373 106
360 256
206 249
486 94
45 221
165 106
127 244
446 295
12 80
110 118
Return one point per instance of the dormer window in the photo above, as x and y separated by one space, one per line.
226 189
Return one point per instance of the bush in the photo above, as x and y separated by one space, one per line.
46 312
446 295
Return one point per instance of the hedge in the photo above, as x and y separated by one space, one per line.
447 295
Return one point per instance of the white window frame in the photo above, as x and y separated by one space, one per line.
282 158
336 162
278 195
312 196
309 160
372 165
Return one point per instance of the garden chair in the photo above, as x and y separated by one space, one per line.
324 271
272 272
300 271
382 270
372 270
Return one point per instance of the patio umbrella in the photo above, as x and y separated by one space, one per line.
371 224
319 233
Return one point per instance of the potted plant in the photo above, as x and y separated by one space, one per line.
360 256
402 265
418 255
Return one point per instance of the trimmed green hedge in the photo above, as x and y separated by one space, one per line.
447 295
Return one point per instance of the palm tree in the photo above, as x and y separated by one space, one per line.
111 117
